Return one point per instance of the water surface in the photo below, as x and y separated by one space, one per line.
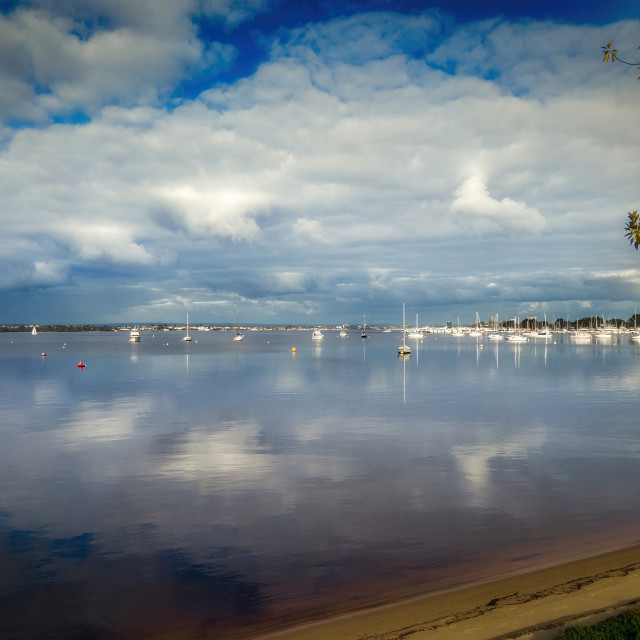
202 487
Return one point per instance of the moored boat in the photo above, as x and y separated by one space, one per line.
404 349
417 334
187 338
476 332
239 337
364 328
580 336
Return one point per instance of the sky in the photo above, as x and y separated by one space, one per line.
316 162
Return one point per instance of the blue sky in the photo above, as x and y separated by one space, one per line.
313 162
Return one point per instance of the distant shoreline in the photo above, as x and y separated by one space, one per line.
614 325
15 328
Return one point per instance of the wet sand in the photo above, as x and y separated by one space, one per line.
532 606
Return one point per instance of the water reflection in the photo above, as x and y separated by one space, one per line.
141 497
516 355
404 358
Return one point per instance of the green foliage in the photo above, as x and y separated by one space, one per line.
51 328
622 627
633 229
633 232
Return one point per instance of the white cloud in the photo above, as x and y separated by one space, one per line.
314 231
60 66
337 157
473 201
540 59
233 12
224 212
95 242
30 273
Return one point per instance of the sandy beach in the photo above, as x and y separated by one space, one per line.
533 606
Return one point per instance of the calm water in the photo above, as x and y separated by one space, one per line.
206 486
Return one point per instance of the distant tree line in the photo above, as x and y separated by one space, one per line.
50 328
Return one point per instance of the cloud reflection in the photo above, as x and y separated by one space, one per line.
104 421
477 462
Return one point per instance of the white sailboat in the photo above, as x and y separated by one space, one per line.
404 349
364 328
417 333
239 337
495 336
34 331
457 331
187 338
579 335
516 336
543 333
636 336
603 333
476 333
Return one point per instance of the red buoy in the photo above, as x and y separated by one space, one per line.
81 365
43 354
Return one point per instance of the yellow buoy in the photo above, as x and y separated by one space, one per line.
293 350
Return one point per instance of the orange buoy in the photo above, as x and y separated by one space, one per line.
81 365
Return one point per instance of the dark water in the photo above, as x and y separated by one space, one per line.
199 488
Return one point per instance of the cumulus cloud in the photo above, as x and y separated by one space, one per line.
313 230
473 201
336 158
31 273
96 242
539 59
226 212
59 62
233 12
